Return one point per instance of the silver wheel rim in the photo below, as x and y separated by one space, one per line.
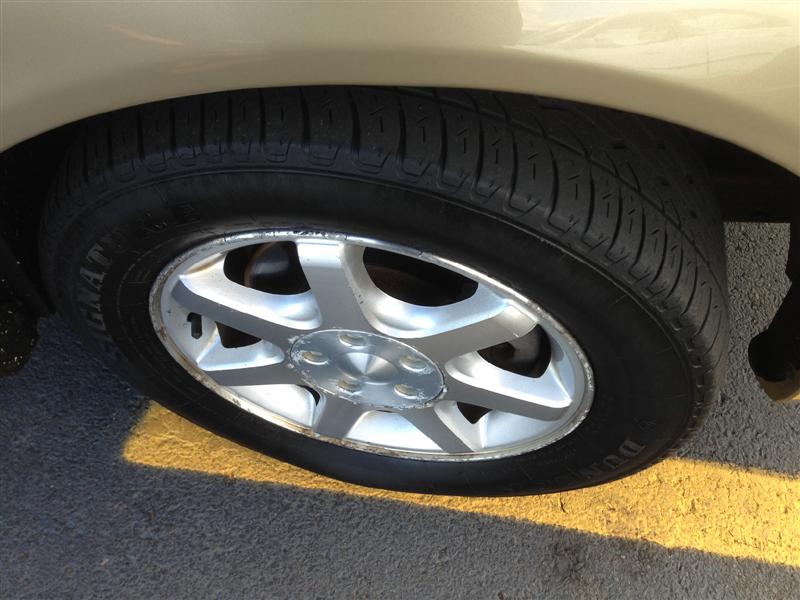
351 364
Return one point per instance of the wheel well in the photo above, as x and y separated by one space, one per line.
26 171
748 187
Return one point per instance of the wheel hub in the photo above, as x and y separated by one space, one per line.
368 369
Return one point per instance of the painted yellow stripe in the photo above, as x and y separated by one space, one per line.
677 504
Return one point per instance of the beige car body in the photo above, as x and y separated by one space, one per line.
729 69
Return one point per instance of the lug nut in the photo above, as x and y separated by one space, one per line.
352 340
413 364
313 358
406 391
348 385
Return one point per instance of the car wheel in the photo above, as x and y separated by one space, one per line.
445 292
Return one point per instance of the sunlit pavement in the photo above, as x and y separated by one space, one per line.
104 494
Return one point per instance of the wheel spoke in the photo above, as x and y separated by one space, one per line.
257 364
206 290
338 279
480 321
335 417
445 426
475 381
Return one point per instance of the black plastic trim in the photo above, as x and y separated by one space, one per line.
22 288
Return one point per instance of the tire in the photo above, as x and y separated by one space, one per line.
604 219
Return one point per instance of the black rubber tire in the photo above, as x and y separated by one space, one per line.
605 219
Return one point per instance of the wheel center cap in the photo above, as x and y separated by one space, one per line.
366 368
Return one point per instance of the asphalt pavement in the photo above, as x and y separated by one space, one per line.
86 511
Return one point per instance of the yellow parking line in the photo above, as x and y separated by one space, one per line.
679 503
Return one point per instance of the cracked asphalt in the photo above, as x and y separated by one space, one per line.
82 517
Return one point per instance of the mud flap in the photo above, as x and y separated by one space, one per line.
17 337
775 353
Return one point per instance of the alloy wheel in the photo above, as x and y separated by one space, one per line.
371 345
